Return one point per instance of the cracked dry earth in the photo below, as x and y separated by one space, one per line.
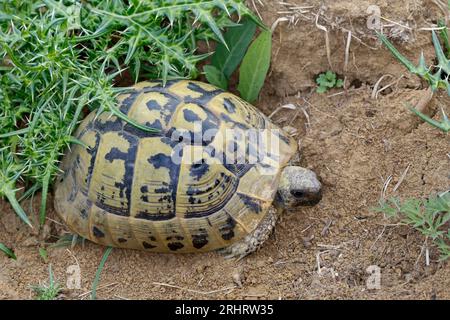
355 143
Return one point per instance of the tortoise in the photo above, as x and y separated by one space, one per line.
126 187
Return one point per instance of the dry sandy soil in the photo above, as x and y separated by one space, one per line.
353 140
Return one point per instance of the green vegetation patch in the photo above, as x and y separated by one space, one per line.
60 59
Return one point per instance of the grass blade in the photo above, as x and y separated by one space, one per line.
122 116
30 191
255 66
14 133
77 141
42 211
7 251
17 208
98 273
67 240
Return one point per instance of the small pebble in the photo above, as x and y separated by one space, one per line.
238 277
307 241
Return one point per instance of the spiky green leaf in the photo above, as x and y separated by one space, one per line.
444 125
442 59
408 64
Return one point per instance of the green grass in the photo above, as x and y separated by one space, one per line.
7 251
59 59
428 216
68 240
99 272
48 291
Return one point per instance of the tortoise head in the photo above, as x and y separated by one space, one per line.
298 187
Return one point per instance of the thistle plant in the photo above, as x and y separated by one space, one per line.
49 291
429 216
60 59
437 76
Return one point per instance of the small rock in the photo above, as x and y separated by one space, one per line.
238 277
409 277
307 241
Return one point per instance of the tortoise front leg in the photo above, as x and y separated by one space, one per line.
254 240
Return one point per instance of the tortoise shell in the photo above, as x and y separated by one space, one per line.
124 189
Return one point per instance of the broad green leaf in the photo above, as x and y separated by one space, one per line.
255 66
325 81
238 39
330 75
215 77
7 251
321 89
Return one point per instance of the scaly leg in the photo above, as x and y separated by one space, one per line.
255 239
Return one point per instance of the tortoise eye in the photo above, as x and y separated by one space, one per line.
298 193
